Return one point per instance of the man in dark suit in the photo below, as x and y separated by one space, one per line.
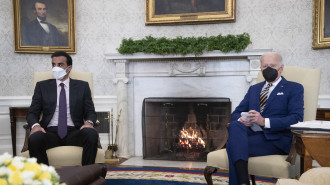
39 32
68 113
271 106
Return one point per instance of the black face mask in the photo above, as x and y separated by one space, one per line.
270 74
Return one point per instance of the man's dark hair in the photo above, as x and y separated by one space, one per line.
38 1
64 54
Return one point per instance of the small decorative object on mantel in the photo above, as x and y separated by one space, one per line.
22 171
110 154
185 45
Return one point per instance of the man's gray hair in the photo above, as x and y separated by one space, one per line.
273 53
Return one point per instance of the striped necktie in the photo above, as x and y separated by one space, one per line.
264 97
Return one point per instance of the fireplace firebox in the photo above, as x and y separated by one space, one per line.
183 128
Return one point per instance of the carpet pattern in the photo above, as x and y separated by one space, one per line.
146 175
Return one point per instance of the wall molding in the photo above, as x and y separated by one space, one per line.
324 101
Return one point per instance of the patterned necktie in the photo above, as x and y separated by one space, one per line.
62 114
264 97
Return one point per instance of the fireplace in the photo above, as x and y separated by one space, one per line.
212 74
183 128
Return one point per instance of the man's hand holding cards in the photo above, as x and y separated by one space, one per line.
254 126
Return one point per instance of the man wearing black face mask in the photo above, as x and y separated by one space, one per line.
260 123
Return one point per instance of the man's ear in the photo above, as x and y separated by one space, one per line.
69 68
281 69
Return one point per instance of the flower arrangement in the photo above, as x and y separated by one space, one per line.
25 171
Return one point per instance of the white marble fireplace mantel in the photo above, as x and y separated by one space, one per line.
212 74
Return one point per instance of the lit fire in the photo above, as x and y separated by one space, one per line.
189 139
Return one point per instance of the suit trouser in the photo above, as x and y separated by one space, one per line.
244 143
87 138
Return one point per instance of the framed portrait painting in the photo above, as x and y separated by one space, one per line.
172 12
321 24
44 26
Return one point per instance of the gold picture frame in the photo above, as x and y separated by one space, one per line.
172 12
321 24
44 26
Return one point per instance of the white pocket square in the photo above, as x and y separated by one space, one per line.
280 93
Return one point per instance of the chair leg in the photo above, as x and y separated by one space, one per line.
253 179
209 170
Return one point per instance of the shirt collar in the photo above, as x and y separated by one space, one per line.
275 83
40 20
66 82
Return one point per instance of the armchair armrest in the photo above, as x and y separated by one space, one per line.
27 133
97 123
293 153
224 141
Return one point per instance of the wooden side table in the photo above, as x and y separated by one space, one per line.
323 114
16 112
312 145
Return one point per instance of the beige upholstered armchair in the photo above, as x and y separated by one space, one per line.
276 166
64 155
314 176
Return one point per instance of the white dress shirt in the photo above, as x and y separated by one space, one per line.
267 121
44 25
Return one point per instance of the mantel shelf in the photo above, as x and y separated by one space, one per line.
212 54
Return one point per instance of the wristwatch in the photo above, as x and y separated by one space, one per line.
89 121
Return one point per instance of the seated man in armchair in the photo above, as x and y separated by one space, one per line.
68 113
271 107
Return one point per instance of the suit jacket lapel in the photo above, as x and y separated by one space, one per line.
39 27
278 88
52 89
72 85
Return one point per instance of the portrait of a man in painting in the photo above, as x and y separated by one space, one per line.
44 23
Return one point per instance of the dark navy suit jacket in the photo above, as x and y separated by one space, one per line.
33 34
285 106
45 98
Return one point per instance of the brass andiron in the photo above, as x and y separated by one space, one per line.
108 152
111 153
114 146
117 125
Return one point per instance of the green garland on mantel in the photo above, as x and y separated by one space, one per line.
185 45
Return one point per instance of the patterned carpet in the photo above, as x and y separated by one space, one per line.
168 176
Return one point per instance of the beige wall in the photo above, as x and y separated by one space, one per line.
282 25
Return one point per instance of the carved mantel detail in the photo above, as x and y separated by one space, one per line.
121 71
194 68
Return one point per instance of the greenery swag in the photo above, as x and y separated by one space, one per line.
185 45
